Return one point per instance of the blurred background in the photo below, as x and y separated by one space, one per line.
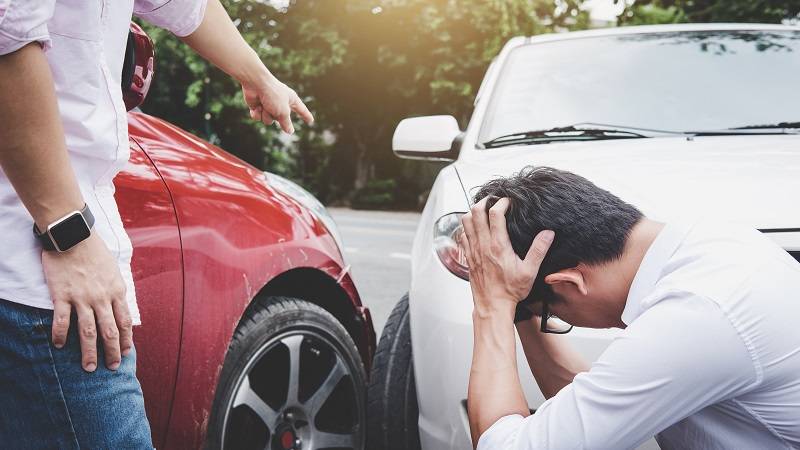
361 66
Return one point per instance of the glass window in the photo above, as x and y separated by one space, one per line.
677 81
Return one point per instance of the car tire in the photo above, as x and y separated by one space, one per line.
261 403
392 409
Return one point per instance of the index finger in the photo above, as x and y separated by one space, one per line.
480 220
61 317
302 110
497 220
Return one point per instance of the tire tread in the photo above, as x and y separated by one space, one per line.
392 411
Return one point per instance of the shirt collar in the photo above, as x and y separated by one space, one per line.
661 250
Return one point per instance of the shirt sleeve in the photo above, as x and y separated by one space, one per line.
181 17
678 357
23 22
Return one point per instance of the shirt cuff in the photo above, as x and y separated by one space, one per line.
22 23
502 434
9 44
180 17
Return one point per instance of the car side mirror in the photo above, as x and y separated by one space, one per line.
137 67
434 138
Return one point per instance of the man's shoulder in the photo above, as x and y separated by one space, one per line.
723 247
719 261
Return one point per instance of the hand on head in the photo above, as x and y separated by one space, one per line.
498 277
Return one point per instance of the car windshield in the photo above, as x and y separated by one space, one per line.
678 81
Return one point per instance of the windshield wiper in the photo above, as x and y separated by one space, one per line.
777 128
776 125
578 132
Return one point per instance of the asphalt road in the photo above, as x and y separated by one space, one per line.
377 245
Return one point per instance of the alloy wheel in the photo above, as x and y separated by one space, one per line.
296 392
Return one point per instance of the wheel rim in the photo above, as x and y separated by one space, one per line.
297 392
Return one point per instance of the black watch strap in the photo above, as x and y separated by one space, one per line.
47 242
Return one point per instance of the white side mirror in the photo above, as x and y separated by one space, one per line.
428 137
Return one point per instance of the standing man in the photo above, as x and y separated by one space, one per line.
67 301
710 353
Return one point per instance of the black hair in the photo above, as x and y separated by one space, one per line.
590 223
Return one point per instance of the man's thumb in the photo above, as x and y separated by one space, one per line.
539 247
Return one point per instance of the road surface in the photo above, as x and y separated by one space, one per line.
377 245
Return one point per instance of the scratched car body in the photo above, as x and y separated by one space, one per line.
253 334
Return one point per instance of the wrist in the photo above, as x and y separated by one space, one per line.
497 309
47 214
66 232
253 72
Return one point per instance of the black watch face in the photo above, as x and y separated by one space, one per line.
70 232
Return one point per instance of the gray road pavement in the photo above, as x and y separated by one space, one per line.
377 244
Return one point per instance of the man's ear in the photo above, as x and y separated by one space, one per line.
572 276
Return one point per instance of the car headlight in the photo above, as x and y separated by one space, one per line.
446 232
308 200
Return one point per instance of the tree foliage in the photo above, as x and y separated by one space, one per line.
675 11
362 66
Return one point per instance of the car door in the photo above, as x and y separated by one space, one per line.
149 219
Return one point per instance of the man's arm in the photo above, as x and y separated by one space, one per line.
34 157
494 388
678 357
219 42
553 362
499 280
33 152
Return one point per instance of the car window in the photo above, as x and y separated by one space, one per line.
678 81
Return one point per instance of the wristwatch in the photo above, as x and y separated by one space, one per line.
66 232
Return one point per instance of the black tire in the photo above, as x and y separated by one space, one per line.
275 331
392 410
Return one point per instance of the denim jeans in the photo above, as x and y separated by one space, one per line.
47 400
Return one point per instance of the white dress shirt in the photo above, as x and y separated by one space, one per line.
85 44
710 358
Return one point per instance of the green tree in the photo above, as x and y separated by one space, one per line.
671 11
361 66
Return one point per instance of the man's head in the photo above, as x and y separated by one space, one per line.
591 228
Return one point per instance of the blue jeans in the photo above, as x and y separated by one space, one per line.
47 400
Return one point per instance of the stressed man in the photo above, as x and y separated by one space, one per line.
710 352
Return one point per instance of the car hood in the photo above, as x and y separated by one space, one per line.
745 179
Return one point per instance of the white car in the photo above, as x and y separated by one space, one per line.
681 120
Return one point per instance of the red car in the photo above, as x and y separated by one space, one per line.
253 333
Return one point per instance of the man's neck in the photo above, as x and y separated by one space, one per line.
639 241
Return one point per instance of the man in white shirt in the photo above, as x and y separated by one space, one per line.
710 353
63 139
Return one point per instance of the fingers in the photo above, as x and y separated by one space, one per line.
464 243
255 113
87 332
480 221
497 223
539 247
112 322
110 336
124 325
61 315
302 110
470 238
285 121
262 116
